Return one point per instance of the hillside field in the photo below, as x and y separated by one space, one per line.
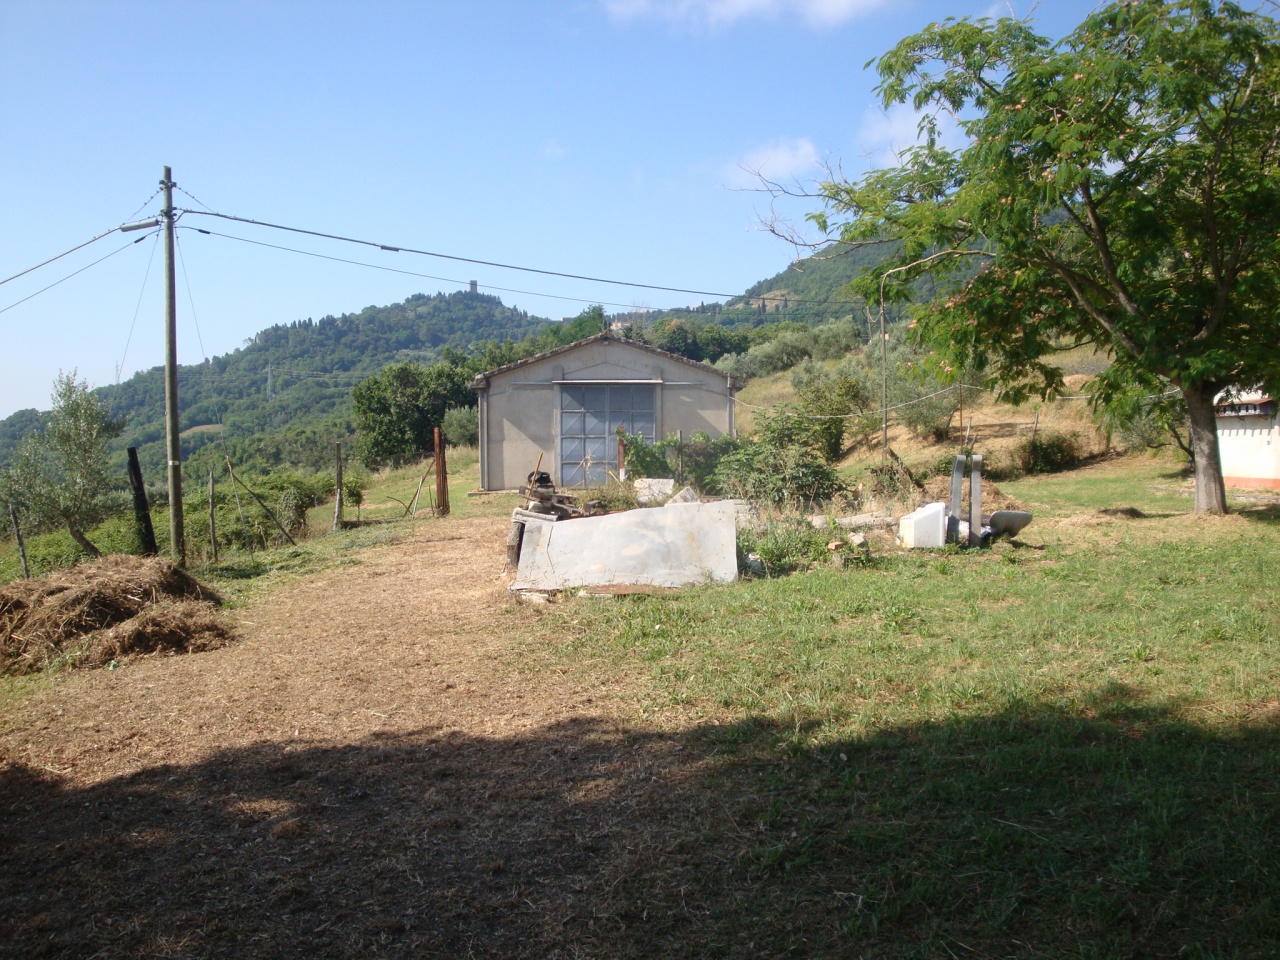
1062 747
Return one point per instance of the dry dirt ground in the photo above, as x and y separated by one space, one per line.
374 769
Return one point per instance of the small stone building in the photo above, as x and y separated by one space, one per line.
567 404
1249 440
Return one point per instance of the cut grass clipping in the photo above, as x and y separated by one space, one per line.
98 612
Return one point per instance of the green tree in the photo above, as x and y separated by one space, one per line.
60 476
1121 188
397 410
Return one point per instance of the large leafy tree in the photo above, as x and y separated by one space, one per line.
398 410
1120 188
60 475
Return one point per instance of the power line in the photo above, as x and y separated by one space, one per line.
70 275
408 273
487 263
138 308
45 263
182 260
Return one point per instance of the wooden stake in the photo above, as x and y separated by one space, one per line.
412 512
22 547
442 477
337 489
213 526
265 508
141 511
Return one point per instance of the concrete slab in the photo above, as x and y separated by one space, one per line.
679 545
653 490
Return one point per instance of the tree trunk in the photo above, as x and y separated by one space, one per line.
1211 494
78 536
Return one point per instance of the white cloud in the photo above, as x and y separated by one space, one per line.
883 134
552 150
779 161
715 13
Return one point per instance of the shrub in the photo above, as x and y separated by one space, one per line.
1047 453
461 426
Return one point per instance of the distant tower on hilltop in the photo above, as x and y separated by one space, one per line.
473 287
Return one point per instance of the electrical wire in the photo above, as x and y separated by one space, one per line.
70 275
134 215
190 299
409 273
193 197
146 276
488 263
45 263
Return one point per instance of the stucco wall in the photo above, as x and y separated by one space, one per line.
519 409
1250 451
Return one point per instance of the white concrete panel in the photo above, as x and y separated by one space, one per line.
675 546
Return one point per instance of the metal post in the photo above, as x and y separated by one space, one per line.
213 528
884 389
141 512
337 489
22 547
178 545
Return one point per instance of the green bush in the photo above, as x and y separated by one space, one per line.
461 426
790 473
1047 453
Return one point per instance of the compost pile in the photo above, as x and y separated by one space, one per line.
111 608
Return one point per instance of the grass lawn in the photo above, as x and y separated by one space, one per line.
1065 748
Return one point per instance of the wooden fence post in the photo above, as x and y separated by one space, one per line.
141 512
213 527
442 477
337 490
22 547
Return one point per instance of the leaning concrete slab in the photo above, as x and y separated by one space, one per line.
653 491
680 545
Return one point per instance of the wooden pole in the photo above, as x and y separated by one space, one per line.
337 489
413 507
213 527
17 535
178 545
442 477
265 508
141 512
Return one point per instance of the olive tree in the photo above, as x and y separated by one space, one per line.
59 476
1118 188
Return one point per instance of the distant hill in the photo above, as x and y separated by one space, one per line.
284 395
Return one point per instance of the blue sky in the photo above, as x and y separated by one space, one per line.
599 137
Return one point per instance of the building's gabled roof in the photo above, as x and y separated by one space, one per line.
481 381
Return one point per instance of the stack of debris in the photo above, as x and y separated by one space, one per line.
936 524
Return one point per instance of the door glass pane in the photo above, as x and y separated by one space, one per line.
571 398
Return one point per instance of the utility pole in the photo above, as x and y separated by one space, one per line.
178 545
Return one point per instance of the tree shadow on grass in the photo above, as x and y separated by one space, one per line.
1119 830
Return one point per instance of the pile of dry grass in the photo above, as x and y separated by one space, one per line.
111 608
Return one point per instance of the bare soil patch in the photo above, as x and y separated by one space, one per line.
381 767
